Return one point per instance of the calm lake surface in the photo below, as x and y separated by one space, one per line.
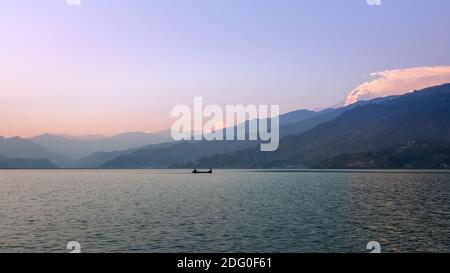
229 211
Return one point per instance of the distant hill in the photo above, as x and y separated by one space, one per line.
415 155
15 163
16 147
96 160
129 150
409 131
296 116
177 153
77 148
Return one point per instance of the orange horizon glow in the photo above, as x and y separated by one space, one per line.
109 67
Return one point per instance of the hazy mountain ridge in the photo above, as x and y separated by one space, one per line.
82 145
291 123
380 127
16 147
185 151
408 131
96 160
79 148
19 163
177 153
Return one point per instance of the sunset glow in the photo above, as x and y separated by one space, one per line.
107 67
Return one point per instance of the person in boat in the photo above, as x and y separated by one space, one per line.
196 171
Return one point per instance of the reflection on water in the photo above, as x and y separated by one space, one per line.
229 211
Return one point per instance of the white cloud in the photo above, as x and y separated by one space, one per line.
399 81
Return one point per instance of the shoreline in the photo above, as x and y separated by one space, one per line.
246 170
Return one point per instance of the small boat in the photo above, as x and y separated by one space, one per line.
195 171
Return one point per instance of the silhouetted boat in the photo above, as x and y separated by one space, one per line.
195 171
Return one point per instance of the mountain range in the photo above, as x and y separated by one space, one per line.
75 152
20 148
76 148
407 131
18 163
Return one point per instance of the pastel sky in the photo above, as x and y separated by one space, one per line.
111 66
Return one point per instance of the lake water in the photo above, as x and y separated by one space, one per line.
229 211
